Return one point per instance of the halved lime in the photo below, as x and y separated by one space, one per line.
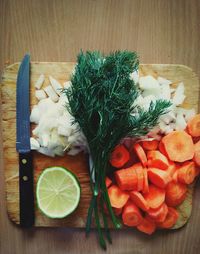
57 192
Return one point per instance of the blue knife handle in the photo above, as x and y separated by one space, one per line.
26 189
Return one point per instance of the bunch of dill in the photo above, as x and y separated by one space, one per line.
101 100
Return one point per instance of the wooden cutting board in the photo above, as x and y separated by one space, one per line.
79 163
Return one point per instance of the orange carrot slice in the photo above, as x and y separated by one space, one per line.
157 160
161 148
155 197
179 146
175 193
108 182
159 177
119 156
140 153
145 182
159 214
139 200
140 178
187 172
193 126
127 178
150 145
171 218
118 198
131 215
147 226
197 153
175 176
172 168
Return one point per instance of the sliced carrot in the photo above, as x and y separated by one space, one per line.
150 145
140 153
119 156
155 197
159 214
187 172
117 211
140 178
157 160
145 182
175 193
127 178
118 198
147 226
131 215
175 176
139 200
193 126
161 148
197 153
179 146
159 177
172 168
171 218
108 182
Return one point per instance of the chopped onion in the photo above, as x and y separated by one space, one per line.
51 93
179 96
56 85
34 144
148 83
40 94
40 81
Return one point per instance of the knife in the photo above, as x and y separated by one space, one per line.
26 192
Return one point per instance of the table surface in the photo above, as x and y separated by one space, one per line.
55 30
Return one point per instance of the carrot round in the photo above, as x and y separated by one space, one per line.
172 168
140 153
131 215
187 172
155 197
147 226
171 218
145 182
159 214
139 200
157 159
119 156
175 193
118 198
161 148
127 179
140 178
150 144
193 126
108 182
197 153
159 177
179 146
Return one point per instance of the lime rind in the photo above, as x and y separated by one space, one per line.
52 211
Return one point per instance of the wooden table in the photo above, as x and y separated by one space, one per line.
55 30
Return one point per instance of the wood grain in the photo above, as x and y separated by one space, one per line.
78 164
55 30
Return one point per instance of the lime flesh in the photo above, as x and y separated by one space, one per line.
57 192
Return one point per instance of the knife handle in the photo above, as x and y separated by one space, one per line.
26 189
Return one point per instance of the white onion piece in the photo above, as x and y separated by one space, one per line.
179 96
40 81
163 81
35 115
34 144
67 84
40 94
51 93
180 122
46 151
148 83
73 151
56 85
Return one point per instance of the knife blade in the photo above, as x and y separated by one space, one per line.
26 191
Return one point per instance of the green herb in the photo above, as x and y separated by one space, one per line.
101 100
